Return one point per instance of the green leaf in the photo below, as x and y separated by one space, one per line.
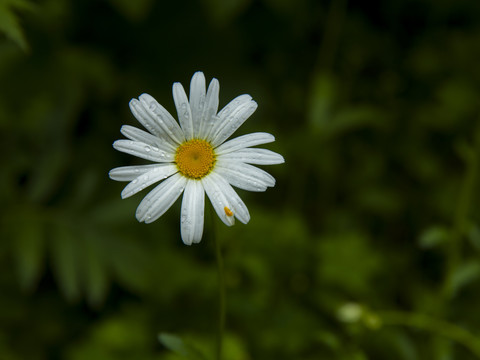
28 246
322 100
473 235
180 347
131 264
133 10
9 23
433 236
224 11
465 274
94 271
47 173
341 255
66 264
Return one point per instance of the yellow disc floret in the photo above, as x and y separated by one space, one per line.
195 158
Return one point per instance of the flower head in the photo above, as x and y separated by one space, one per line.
193 157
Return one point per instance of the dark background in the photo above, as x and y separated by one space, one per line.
368 246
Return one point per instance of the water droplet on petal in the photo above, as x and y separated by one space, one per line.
147 148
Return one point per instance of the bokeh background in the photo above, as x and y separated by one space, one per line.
367 248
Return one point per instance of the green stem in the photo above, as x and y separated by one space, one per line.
461 218
331 34
221 292
436 326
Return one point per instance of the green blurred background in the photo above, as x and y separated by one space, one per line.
367 248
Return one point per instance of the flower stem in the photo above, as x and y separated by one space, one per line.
221 291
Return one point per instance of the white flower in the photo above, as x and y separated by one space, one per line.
194 158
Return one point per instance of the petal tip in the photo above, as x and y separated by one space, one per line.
111 174
187 242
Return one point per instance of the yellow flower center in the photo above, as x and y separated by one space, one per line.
195 158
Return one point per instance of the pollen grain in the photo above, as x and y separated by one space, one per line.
228 212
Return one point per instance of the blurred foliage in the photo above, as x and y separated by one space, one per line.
367 248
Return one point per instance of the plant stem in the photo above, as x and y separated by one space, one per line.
461 218
221 291
440 327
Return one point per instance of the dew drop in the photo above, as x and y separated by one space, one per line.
147 148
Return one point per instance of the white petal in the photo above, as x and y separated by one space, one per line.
136 134
128 173
156 125
244 176
209 116
238 207
231 117
154 175
233 122
170 130
197 100
183 110
244 141
254 156
192 215
160 199
226 112
142 150
218 199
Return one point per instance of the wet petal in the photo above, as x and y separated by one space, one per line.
219 200
136 134
197 100
151 177
209 116
254 156
245 176
183 110
230 123
128 173
244 141
192 213
142 150
170 130
237 206
161 198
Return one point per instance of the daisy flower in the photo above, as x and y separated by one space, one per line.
193 157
